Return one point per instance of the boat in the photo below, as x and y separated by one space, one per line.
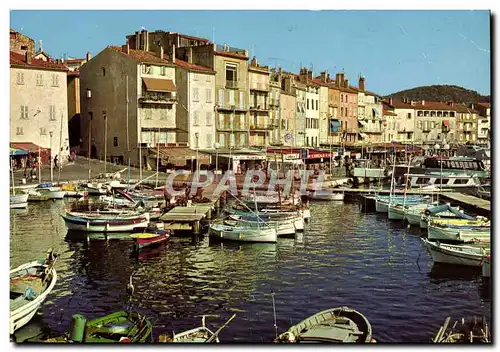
337 325
382 202
19 201
243 233
486 266
30 284
105 221
325 194
297 217
456 254
464 331
363 169
149 237
37 196
458 233
445 211
399 211
50 189
282 228
200 334
72 190
449 180
119 327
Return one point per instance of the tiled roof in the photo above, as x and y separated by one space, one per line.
20 60
193 67
141 55
319 83
485 105
367 92
464 109
230 54
74 61
74 73
398 104
388 113
433 105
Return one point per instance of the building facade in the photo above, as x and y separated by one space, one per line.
466 124
434 122
127 105
38 103
335 132
484 123
372 129
389 121
279 124
261 125
21 44
300 117
324 110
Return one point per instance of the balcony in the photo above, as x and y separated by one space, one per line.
157 98
259 107
237 127
260 87
274 102
231 84
232 107
261 127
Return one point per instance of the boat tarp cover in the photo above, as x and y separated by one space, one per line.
447 207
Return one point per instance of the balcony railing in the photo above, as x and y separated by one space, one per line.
261 127
232 107
158 98
260 107
234 127
231 84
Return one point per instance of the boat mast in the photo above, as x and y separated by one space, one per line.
277 171
13 184
59 152
128 141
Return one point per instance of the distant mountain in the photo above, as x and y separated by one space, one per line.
441 93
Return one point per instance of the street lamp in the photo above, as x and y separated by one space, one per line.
216 146
89 96
51 168
105 140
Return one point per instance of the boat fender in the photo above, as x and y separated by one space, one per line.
77 329
125 340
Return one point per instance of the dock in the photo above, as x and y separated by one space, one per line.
187 218
396 191
474 204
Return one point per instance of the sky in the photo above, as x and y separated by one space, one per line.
393 50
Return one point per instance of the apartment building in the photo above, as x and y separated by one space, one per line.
261 124
312 108
348 109
484 123
434 121
21 44
466 123
389 121
324 110
128 105
280 126
334 131
38 103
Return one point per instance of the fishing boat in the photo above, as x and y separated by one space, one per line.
105 221
445 211
243 233
445 180
363 169
298 220
486 266
30 284
73 190
456 254
149 237
95 188
400 211
19 201
200 334
326 194
119 327
37 196
282 228
50 189
464 331
382 202
336 325
461 230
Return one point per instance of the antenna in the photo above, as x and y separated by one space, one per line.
274 312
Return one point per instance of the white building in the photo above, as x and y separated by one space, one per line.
312 115
483 123
39 104
196 89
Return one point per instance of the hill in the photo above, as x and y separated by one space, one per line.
441 93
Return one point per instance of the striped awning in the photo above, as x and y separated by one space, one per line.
159 85
14 151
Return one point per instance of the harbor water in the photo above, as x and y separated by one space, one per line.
344 258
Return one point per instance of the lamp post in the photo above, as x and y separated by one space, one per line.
51 168
197 135
105 141
89 96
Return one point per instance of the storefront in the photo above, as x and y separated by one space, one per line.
172 158
31 151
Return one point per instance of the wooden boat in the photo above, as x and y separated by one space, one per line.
50 189
105 221
200 334
486 266
243 233
399 211
456 254
37 196
72 190
30 284
124 327
275 216
95 188
282 228
284 225
445 211
19 201
149 237
336 325
464 331
458 233
382 202
325 194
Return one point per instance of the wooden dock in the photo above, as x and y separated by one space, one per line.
474 204
187 218
387 191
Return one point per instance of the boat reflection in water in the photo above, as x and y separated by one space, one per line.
444 272
79 236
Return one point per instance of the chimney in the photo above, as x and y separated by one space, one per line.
173 54
472 106
346 83
190 55
137 41
423 102
323 77
161 52
126 48
362 84
412 102
390 101
145 37
328 77
27 57
337 79
88 56
450 103
309 74
253 63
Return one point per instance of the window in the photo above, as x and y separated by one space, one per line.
24 112
20 78
209 95
147 114
242 140
146 69
196 118
317 104
231 140
19 131
24 47
43 131
342 98
308 103
115 141
231 97
231 72
163 137
39 79
209 118
409 115
196 96
163 114
221 97
55 81
195 76
222 141
433 124
52 113
103 71
145 137
209 141
419 124
209 78
242 100
163 70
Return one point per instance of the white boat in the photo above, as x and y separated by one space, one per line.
243 233
110 221
486 266
444 232
30 284
112 200
456 254
52 191
445 181
19 201
200 334
400 211
325 194
283 228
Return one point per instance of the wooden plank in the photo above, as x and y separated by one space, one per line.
468 199
178 227
182 217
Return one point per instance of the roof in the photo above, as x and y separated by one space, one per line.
318 82
367 92
388 113
27 146
19 60
348 90
485 105
464 109
230 54
193 67
433 105
159 85
74 73
74 61
142 56
398 104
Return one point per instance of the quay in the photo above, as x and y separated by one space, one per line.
474 204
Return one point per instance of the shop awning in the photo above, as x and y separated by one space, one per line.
27 147
159 85
14 152
178 154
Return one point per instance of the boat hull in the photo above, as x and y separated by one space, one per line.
142 243
461 234
19 201
381 206
75 223
243 234
395 212
325 195
455 255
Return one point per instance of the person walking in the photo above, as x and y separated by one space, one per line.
55 161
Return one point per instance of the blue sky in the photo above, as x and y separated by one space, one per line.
394 50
